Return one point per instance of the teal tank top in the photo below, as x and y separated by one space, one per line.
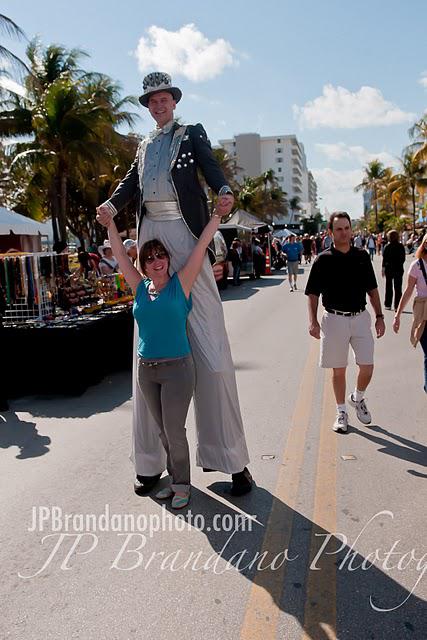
162 322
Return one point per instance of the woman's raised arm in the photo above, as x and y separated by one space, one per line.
131 274
192 267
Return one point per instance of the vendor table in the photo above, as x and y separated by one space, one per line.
66 357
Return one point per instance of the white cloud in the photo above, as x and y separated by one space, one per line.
186 52
337 190
11 85
342 151
198 98
423 79
339 108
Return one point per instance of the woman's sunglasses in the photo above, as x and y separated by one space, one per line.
160 255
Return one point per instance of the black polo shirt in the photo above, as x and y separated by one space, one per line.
342 279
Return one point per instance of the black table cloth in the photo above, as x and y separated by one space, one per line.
65 358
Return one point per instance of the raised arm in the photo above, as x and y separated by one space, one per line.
206 160
191 269
131 274
209 166
125 191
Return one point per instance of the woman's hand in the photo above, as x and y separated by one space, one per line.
104 216
396 324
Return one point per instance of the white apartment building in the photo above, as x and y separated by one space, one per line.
285 155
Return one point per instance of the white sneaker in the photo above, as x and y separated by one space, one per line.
341 422
361 410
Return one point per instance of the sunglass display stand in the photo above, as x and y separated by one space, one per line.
29 284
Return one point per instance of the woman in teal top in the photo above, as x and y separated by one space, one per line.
165 366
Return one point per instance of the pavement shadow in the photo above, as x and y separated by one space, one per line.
249 288
22 434
108 394
313 575
395 445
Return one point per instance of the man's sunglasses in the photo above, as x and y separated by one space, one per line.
160 255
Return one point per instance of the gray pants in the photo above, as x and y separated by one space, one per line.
167 388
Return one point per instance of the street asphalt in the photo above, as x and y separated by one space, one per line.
329 544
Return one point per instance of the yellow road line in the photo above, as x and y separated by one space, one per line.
262 610
320 607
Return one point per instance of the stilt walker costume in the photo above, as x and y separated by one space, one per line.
172 207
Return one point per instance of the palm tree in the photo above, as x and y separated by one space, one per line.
6 56
373 180
263 200
72 115
384 194
413 176
419 134
294 206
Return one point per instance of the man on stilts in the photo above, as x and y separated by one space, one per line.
172 207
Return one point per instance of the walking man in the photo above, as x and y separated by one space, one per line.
343 275
393 260
172 208
293 251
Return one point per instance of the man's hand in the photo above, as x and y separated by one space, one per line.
104 216
224 204
218 270
314 330
380 327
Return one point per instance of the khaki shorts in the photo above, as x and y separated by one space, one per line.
340 332
293 266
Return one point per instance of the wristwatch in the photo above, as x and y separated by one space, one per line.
380 315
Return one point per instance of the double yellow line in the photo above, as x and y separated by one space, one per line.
263 607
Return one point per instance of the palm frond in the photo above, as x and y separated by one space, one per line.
10 27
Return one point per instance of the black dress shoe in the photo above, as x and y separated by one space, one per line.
242 483
144 484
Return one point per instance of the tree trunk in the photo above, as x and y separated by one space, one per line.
376 209
63 207
414 209
53 197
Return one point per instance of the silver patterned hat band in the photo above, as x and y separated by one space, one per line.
155 82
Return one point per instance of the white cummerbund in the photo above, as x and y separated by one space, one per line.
163 210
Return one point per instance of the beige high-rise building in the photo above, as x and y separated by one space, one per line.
282 153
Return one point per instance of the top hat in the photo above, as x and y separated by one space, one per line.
155 82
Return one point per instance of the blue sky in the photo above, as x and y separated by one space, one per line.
348 78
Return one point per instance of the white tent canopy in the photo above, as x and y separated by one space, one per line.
245 219
283 233
21 225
